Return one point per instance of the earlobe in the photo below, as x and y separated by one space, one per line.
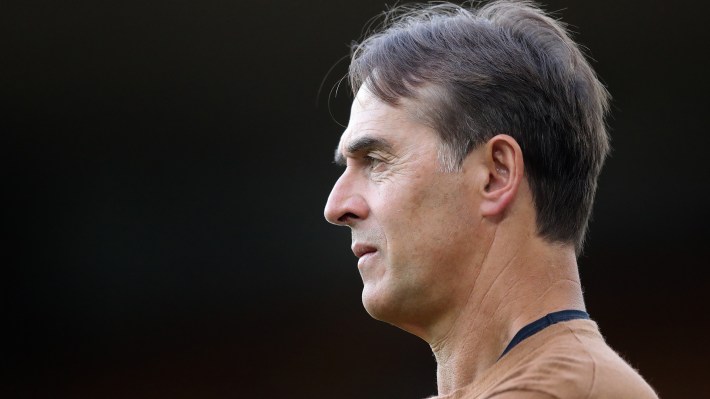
503 160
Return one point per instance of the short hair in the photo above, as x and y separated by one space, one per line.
505 67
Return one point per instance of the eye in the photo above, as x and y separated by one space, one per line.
370 159
373 162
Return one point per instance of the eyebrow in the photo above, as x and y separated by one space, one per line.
363 144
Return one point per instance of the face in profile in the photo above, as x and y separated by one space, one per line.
412 223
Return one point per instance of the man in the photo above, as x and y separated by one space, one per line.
471 158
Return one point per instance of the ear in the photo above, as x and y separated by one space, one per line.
503 160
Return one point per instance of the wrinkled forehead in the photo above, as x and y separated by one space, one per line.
376 125
368 116
372 117
372 123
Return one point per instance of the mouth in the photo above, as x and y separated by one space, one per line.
363 250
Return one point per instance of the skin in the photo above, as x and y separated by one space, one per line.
452 257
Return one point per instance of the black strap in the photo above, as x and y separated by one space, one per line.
543 322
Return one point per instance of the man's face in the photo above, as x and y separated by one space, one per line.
413 225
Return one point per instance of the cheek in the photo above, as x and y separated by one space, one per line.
426 217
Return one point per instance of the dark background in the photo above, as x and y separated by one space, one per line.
167 163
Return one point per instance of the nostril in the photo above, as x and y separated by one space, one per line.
347 216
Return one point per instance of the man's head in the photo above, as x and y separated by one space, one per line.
463 120
504 68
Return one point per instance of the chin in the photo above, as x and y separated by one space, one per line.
404 306
389 305
378 302
373 305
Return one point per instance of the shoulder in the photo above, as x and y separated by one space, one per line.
569 360
613 376
566 360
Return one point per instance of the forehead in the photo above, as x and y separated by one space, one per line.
373 118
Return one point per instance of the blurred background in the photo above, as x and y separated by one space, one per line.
167 164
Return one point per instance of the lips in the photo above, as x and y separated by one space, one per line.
362 249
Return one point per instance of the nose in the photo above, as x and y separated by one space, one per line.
346 204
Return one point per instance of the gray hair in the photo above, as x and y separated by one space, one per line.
505 67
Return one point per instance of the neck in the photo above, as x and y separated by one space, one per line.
515 285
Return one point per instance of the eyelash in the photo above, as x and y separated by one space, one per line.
372 162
